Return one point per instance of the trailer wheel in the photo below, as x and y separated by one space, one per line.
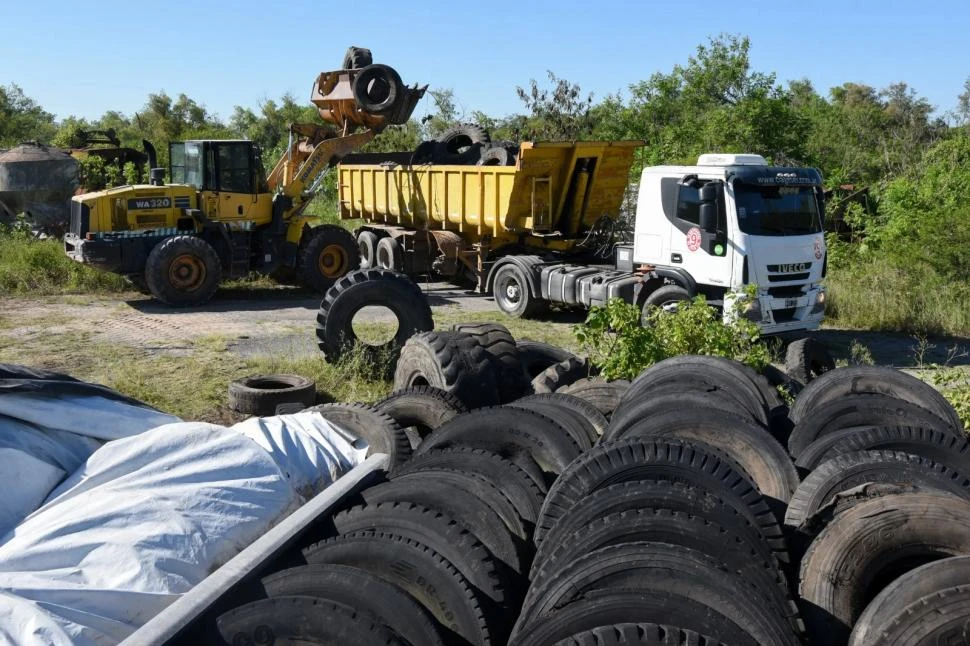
357 58
512 293
183 271
378 89
367 248
390 254
329 254
665 298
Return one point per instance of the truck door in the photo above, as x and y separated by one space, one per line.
707 266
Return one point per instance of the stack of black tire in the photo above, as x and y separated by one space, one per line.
465 144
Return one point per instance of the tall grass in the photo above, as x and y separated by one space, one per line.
29 266
883 296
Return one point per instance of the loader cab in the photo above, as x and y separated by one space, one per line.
228 174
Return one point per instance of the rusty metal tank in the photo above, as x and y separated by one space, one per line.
39 181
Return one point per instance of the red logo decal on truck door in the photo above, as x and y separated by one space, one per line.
693 239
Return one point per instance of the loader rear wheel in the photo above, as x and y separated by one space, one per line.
183 271
378 89
329 254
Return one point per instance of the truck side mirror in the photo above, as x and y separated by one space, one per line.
710 197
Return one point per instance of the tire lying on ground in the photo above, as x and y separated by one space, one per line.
362 591
939 446
850 411
524 491
261 394
938 618
421 408
418 570
451 361
580 419
470 499
370 287
910 588
737 611
676 497
858 380
853 469
379 431
510 432
499 343
561 374
183 271
867 546
806 359
638 634
303 620
536 356
749 445
603 394
635 459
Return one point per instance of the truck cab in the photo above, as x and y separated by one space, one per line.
733 220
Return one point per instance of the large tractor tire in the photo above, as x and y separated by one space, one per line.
463 143
451 361
183 271
329 253
356 58
498 342
378 89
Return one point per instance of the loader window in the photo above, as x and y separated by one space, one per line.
234 168
185 160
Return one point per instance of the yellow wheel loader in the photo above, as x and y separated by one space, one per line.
221 216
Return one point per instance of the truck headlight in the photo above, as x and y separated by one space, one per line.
819 305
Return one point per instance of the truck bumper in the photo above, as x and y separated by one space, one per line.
805 313
121 256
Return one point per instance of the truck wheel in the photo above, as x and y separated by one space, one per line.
512 293
356 58
390 254
262 394
183 271
806 359
330 253
378 89
666 298
367 248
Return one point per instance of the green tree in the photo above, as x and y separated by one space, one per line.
561 112
22 119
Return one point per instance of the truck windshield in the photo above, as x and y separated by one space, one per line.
777 210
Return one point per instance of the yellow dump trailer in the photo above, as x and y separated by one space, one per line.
442 215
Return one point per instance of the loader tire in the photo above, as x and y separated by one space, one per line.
524 491
638 634
635 459
328 254
357 58
806 359
675 497
433 529
380 432
560 375
854 469
183 271
602 394
536 356
419 410
463 144
850 411
470 499
389 254
908 589
363 288
367 248
593 421
750 445
361 590
262 394
378 89
303 620
869 545
499 343
418 570
513 433
858 380
451 361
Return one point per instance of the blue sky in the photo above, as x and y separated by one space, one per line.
86 58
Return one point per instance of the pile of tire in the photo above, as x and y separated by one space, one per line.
465 144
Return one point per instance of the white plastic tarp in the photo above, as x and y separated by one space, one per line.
148 517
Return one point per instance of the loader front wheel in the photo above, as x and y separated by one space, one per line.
183 271
329 254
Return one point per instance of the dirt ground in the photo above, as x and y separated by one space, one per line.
263 321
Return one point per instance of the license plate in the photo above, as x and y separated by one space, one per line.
791 302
